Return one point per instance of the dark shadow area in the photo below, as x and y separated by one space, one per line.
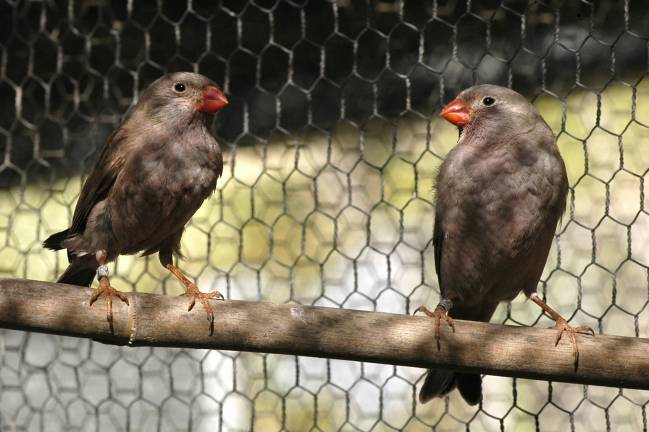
71 68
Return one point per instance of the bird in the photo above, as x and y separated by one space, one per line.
500 194
152 175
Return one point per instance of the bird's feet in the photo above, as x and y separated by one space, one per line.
562 326
194 293
440 313
106 289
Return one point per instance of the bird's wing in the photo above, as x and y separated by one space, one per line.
100 180
438 243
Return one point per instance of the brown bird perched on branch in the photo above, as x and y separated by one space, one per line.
500 194
152 175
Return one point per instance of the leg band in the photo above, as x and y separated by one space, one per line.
446 304
102 271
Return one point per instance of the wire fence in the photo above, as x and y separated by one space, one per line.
332 143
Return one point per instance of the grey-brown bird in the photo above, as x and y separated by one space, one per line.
500 193
152 175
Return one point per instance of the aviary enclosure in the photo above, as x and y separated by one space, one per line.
332 140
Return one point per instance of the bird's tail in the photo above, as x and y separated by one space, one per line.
55 241
440 382
81 271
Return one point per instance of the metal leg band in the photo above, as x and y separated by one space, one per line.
102 271
446 304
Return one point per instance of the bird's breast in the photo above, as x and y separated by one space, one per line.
493 211
178 178
160 189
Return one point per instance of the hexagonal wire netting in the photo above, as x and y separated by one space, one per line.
332 142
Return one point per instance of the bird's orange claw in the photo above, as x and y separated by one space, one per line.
105 288
562 326
439 314
194 293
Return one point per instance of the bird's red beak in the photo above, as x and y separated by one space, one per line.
457 113
212 100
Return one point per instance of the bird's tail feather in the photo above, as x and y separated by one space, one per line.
55 241
440 382
470 387
80 272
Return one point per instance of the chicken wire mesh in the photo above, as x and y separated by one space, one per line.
332 143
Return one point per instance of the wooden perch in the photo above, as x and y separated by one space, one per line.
157 320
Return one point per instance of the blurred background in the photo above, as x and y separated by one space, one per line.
332 141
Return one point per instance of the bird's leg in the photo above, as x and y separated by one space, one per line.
192 291
562 326
440 313
105 288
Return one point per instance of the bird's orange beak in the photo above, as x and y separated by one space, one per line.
457 113
211 100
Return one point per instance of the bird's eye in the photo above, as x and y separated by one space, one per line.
488 100
179 87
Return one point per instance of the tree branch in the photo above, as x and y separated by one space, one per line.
156 320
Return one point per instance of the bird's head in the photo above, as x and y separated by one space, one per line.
484 102
183 96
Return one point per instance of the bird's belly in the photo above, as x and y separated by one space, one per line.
154 207
491 248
